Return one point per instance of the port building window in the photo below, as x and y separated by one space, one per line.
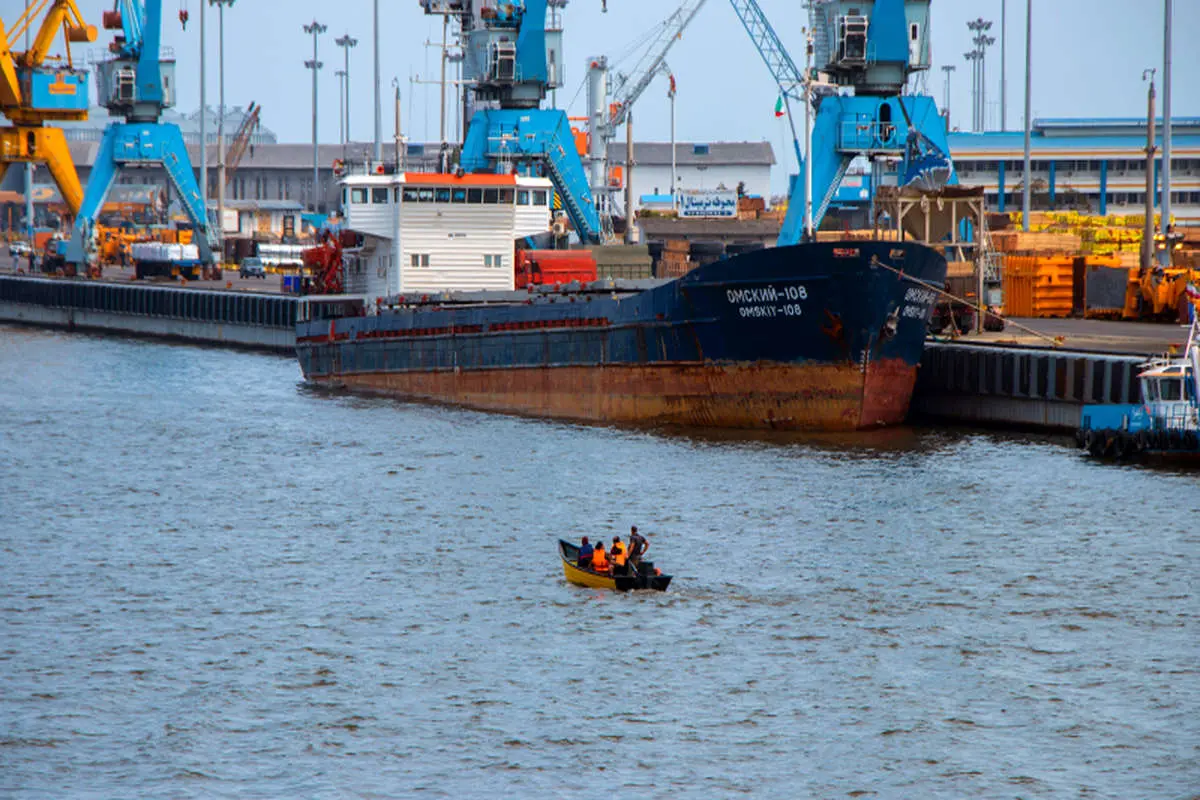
358 195
379 196
419 259
540 197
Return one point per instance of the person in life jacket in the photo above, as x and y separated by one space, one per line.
620 556
600 559
585 554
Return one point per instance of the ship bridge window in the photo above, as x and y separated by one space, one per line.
411 195
1170 390
458 195
475 195
358 195
506 197
441 195
379 195
522 197
540 197
425 195
491 196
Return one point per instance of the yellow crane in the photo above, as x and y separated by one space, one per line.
37 88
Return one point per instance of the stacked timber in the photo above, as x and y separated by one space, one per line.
675 259
623 262
1045 242
751 207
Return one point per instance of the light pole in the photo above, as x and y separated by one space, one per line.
378 151
982 41
948 68
316 29
1004 65
203 120
341 76
1027 198
973 58
220 4
28 164
346 42
1165 206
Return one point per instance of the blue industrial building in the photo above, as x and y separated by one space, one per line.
1095 165
1093 161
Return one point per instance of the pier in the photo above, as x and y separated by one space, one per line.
1027 382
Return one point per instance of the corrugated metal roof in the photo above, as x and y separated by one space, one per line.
689 154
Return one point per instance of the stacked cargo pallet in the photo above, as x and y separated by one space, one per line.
622 262
675 260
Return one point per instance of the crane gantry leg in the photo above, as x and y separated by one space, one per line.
47 146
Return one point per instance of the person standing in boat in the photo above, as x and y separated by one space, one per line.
585 553
637 546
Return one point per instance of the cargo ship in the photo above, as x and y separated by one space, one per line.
814 336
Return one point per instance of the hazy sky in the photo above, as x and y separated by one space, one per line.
1088 59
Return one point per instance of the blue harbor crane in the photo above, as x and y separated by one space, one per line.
511 58
864 52
137 84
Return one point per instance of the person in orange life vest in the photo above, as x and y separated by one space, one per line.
585 554
619 556
600 559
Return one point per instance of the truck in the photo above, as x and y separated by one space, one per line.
161 260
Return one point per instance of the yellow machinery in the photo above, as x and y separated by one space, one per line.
36 89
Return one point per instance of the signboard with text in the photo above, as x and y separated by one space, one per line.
711 203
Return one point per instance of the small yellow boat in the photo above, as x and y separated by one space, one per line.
645 579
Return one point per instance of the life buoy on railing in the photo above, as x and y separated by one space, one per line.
379 169
339 167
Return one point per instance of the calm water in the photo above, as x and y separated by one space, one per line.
215 582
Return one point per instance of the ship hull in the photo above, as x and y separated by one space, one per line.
809 337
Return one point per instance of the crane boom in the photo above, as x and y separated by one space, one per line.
779 62
241 140
627 90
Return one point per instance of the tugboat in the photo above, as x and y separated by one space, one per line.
1165 425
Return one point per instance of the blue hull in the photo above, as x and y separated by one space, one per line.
811 336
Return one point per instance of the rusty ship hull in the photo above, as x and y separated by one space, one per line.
808 337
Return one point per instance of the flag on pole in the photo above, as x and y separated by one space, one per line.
779 110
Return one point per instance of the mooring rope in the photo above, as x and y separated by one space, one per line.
1054 340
